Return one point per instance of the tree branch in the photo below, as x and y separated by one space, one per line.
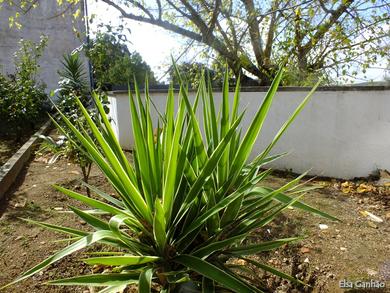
270 35
254 32
164 24
159 9
323 29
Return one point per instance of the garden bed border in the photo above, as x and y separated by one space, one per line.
11 169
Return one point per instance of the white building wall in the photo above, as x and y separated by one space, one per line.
341 134
41 21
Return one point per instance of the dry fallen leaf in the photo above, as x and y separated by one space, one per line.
323 183
305 250
347 187
365 188
41 159
372 225
371 216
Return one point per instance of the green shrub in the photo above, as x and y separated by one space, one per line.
113 64
22 97
73 86
73 78
186 205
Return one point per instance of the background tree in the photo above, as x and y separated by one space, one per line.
191 72
113 63
22 95
316 36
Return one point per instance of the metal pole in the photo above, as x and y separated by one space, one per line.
88 42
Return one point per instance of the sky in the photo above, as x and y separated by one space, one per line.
156 45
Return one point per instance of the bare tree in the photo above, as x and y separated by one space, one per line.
254 37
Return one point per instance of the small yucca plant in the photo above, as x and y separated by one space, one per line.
188 202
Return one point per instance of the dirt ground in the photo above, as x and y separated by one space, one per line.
354 249
10 142
8 146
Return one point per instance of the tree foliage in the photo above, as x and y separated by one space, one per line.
191 73
73 87
336 37
113 63
22 96
330 38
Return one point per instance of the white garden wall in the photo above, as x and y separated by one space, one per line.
342 132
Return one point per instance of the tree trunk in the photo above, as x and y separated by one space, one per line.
86 170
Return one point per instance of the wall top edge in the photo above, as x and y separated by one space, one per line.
281 89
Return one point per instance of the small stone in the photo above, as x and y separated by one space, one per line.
330 276
323 226
42 242
22 201
306 260
343 248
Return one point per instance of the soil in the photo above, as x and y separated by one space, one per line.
10 143
8 146
354 249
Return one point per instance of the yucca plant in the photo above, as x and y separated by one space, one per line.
188 202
